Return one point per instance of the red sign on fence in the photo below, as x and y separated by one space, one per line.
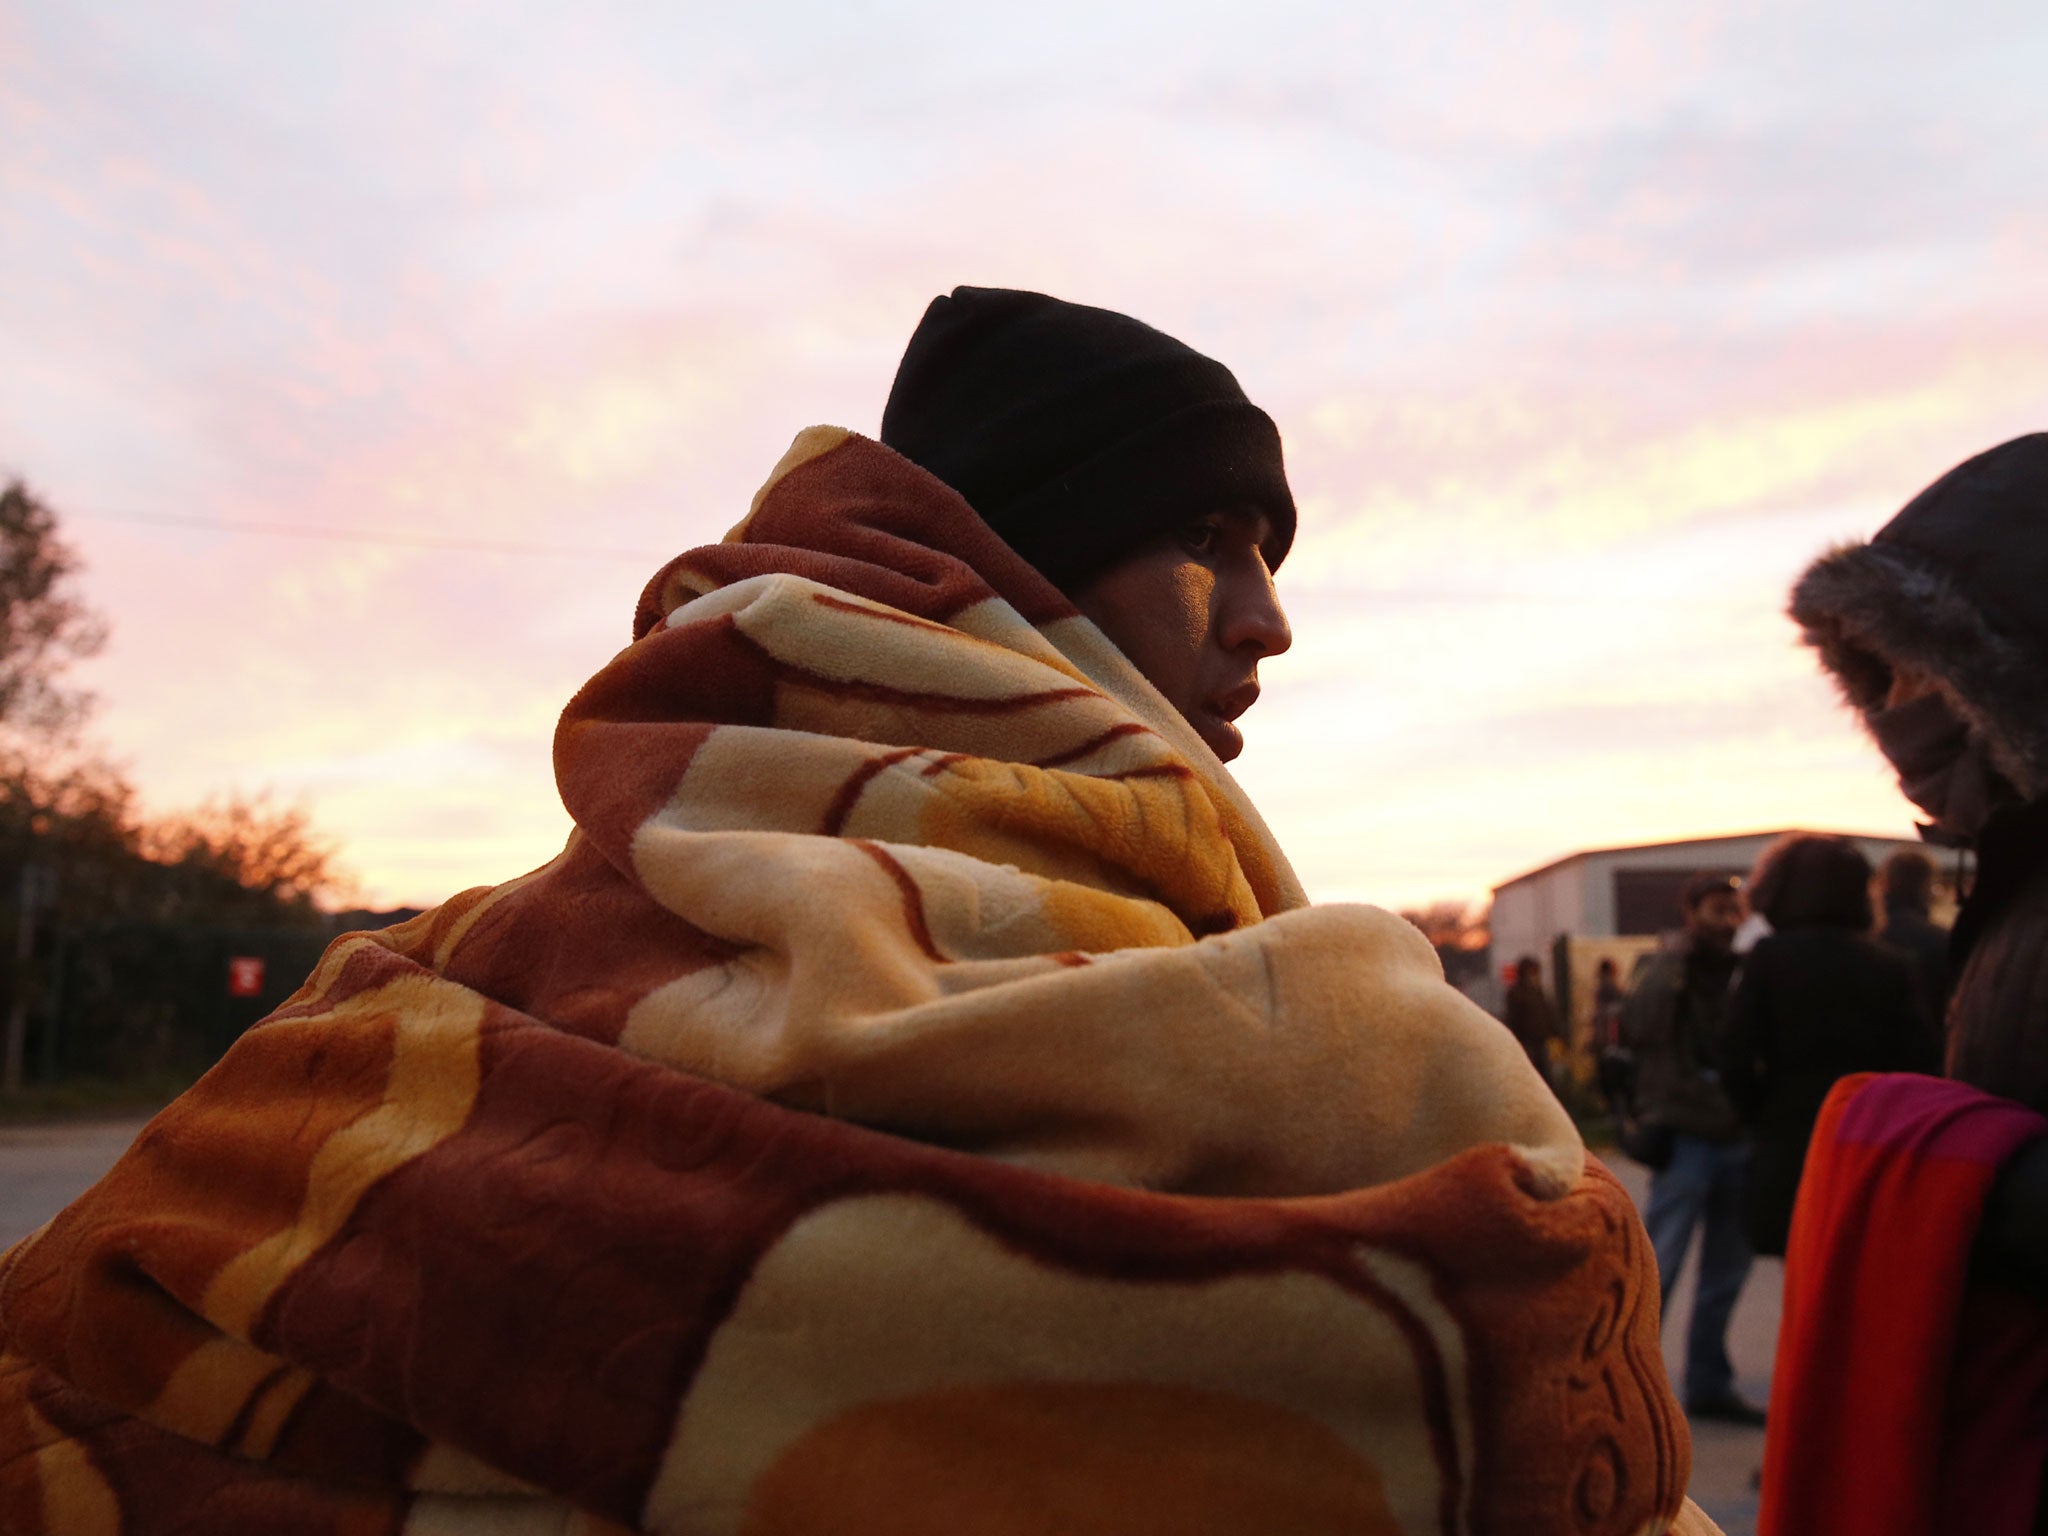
245 976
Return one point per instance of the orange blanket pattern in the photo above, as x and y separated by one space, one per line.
916 1100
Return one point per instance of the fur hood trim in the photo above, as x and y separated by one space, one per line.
1867 607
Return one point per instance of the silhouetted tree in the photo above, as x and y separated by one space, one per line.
1458 932
243 860
44 625
1453 924
140 906
74 813
237 860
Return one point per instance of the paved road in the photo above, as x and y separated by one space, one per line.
42 1167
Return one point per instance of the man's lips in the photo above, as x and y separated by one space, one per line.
1228 706
1213 721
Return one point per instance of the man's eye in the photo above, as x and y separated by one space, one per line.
1199 538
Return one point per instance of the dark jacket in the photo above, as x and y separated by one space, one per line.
1923 944
1532 1021
1813 1005
1956 586
1998 1016
1675 1021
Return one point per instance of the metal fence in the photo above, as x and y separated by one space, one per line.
129 1000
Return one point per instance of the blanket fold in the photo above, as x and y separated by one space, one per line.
1905 1400
917 1099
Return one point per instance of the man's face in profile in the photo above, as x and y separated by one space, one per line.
1195 611
1713 921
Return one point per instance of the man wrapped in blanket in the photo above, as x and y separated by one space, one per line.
916 1100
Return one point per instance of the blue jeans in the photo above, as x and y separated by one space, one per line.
1702 1188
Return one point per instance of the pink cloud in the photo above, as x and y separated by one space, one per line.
1524 335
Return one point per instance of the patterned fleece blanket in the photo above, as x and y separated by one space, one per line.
1907 1399
916 1100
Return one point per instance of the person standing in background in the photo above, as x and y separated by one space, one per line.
1675 1020
1909 928
1607 997
1531 1018
1816 1001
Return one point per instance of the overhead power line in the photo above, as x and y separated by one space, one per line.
1305 591
387 540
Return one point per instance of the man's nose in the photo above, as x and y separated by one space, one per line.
1254 621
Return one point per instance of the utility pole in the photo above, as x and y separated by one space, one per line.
38 888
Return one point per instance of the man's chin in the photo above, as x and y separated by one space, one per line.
1223 738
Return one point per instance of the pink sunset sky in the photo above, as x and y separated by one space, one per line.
1586 327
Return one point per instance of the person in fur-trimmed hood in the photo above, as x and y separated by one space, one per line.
1912 1367
1937 631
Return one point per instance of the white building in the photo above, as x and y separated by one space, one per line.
1616 902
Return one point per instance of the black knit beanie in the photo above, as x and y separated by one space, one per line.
1079 434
